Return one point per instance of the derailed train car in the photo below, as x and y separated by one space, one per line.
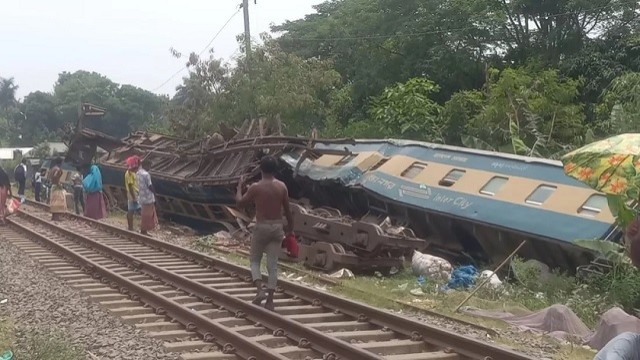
465 201
365 204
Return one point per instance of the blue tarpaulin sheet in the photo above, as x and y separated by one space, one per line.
462 277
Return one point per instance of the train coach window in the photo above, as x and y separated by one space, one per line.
378 164
451 178
494 185
540 194
345 160
594 205
413 170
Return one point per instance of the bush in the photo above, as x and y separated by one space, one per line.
47 346
588 299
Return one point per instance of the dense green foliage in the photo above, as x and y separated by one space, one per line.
41 116
521 76
518 76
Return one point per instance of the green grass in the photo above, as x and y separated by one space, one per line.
41 345
7 337
51 345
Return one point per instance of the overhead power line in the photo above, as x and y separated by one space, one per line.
201 52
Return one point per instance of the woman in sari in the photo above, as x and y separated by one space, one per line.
5 188
147 199
95 207
58 203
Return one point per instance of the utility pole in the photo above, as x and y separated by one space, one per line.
247 29
247 45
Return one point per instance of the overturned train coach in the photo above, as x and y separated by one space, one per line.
364 204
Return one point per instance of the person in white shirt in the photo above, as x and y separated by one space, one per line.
37 183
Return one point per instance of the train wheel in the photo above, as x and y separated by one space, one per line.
338 248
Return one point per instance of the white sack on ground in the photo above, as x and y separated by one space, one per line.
494 280
431 267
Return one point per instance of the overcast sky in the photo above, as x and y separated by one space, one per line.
125 40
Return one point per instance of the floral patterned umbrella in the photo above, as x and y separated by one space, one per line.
611 166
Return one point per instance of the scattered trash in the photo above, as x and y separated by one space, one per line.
417 292
223 236
377 274
462 277
421 280
3 301
494 280
342 273
394 270
7 355
401 288
430 266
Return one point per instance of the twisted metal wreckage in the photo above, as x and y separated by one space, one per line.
347 213
194 181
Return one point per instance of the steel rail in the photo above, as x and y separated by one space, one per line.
232 342
305 336
463 345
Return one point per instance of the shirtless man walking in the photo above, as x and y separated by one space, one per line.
271 199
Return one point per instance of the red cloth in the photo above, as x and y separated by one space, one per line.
291 244
12 206
132 162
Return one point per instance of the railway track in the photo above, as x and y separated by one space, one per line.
200 306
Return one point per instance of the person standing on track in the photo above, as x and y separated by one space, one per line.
147 199
271 198
37 184
131 185
95 207
20 175
58 205
5 189
78 193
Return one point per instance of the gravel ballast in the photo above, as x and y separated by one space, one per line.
38 302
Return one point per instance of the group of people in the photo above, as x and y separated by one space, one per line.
140 195
269 195
20 176
87 192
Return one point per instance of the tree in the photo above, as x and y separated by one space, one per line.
41 121
282 86
530 112
551 30
8 90
376 43
460 111
128 107
199 102
620 107
406 110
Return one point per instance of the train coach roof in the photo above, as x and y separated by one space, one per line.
423 144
